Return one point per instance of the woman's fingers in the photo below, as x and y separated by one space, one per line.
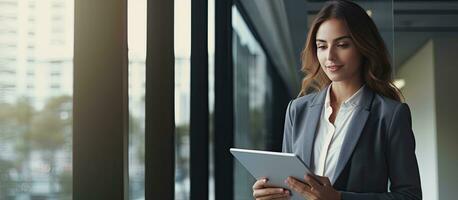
315 187
274 196
268 192
301 188
312 181
261 192
324 180
297 185
259 183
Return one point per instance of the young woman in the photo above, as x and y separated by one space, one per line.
355 133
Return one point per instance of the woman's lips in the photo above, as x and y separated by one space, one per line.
333 68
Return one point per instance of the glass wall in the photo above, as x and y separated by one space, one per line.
182 26
252 98
211 96
137 52
137 61
36 87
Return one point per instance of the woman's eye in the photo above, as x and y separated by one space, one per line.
321 47
343 45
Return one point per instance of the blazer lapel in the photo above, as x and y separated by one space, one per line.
354 132
311 122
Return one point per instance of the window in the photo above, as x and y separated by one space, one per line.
252 98
137 52
211 96
35 120
182 27
137 58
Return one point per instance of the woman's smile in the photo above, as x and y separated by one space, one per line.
333 68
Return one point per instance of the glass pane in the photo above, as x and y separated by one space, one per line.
36 88
251 98
182 97
211 95
137 61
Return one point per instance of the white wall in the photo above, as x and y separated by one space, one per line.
419 92
446 73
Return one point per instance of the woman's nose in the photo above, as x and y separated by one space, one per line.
331 54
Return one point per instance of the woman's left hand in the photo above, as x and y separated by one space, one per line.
314 188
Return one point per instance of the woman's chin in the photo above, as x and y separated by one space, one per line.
335 78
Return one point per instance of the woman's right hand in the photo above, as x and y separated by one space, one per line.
262 192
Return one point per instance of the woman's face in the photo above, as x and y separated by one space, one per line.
336 52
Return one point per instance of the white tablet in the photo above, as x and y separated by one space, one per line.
273 165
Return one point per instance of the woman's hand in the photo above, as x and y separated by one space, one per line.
314 188
262 192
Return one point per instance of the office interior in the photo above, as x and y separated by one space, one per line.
137 99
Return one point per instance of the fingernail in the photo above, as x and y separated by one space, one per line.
264 180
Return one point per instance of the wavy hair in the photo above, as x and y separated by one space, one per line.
376 66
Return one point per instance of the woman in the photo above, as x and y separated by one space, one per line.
355 133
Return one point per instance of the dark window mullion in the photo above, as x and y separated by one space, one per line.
224 102
159 102
199 129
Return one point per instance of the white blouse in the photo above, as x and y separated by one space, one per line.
330 136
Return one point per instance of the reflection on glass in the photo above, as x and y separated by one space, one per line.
211 96
137 56
36 87
182 37
252 86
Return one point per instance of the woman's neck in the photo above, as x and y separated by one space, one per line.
341 91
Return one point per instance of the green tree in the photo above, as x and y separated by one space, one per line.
6 182
65 180
23 114
137 154
15 129
50 129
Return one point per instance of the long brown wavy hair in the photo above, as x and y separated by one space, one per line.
376 66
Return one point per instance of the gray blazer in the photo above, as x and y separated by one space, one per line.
379 147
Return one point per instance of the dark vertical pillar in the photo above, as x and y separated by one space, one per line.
199 100
159 102
224 101
100 109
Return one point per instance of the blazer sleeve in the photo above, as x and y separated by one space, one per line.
402 162
287 132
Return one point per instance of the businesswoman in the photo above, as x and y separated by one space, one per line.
354 133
